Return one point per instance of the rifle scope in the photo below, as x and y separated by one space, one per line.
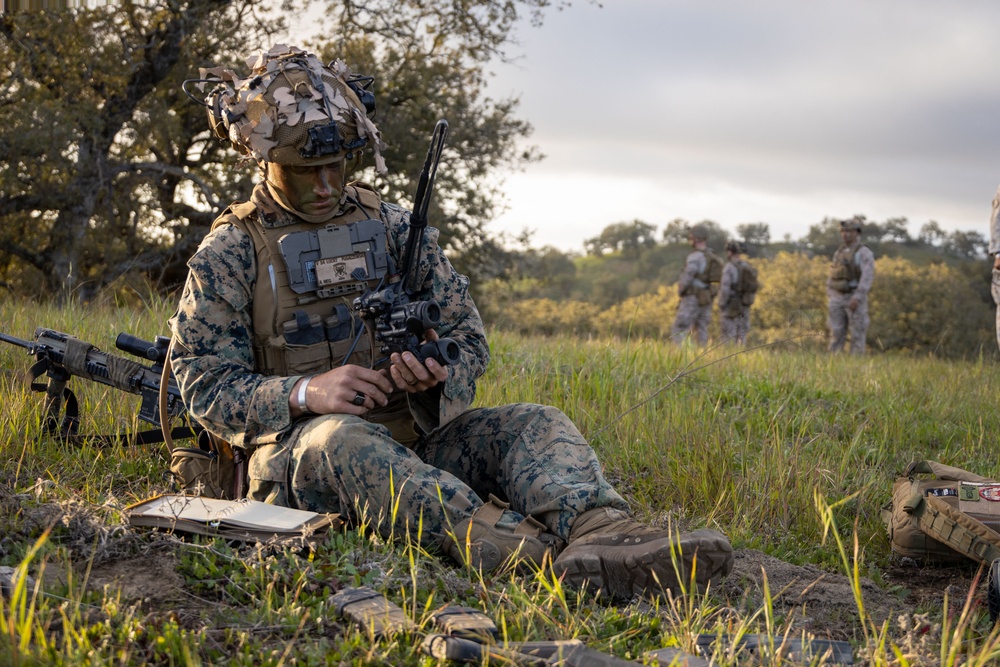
155 351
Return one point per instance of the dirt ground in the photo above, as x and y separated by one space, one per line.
819 602
806 597
824 604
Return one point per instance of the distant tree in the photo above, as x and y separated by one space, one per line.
717 236
625 237
430 61
931 233
107 165
895 230
676 232
873 232
966 244
824 237
754 233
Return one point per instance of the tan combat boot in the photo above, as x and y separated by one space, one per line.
479 542
611 552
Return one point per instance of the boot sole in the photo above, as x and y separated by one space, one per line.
623 572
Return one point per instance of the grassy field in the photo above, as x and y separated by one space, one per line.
788 451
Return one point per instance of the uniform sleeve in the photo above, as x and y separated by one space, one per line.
460 320
212 355
693 266
866 261
730 273
995 224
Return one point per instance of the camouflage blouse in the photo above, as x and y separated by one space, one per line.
212 355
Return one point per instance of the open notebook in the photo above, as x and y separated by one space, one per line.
249 520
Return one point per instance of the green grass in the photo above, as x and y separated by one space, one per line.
788 452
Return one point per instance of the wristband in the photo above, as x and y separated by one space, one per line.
300 398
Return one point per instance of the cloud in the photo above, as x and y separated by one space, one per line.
891 105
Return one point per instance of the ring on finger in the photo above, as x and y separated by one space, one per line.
359 399
411 382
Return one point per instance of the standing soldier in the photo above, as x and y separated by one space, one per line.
737 292
697 287
851 275
995 255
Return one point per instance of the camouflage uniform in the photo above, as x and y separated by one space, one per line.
994 251
690 313
267 311
841 320
531 455
735 316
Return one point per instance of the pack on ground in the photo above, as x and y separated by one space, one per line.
949 518
747 284
213 469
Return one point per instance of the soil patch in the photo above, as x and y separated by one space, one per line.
150 578
824 603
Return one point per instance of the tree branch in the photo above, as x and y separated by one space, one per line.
163 168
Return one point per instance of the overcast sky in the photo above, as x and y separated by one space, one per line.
777 111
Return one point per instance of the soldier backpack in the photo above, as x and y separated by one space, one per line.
949 518
713 271
747 284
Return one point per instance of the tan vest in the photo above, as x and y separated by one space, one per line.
844 269
303 316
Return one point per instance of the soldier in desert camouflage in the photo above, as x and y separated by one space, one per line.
696 289
995 257
268 360
851 273
735 298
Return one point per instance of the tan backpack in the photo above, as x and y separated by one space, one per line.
949 518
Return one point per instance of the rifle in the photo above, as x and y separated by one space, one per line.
400 320
60 356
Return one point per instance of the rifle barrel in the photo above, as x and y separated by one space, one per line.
13 340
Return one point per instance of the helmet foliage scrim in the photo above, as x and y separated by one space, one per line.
292 110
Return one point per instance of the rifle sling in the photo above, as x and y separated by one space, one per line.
127 438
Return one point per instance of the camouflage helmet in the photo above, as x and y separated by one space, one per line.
738 247
292 110
852 223
699 233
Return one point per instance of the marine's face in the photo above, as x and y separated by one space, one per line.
848 236
311 190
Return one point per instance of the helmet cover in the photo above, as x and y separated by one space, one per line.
852 223
292 110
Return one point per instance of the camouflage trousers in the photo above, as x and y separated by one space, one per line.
690 316
735 325
842 321
529 455
995 291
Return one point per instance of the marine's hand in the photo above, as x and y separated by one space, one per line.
412 376
335 391
853 303
996 261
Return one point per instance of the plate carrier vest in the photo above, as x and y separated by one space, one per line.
308 275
